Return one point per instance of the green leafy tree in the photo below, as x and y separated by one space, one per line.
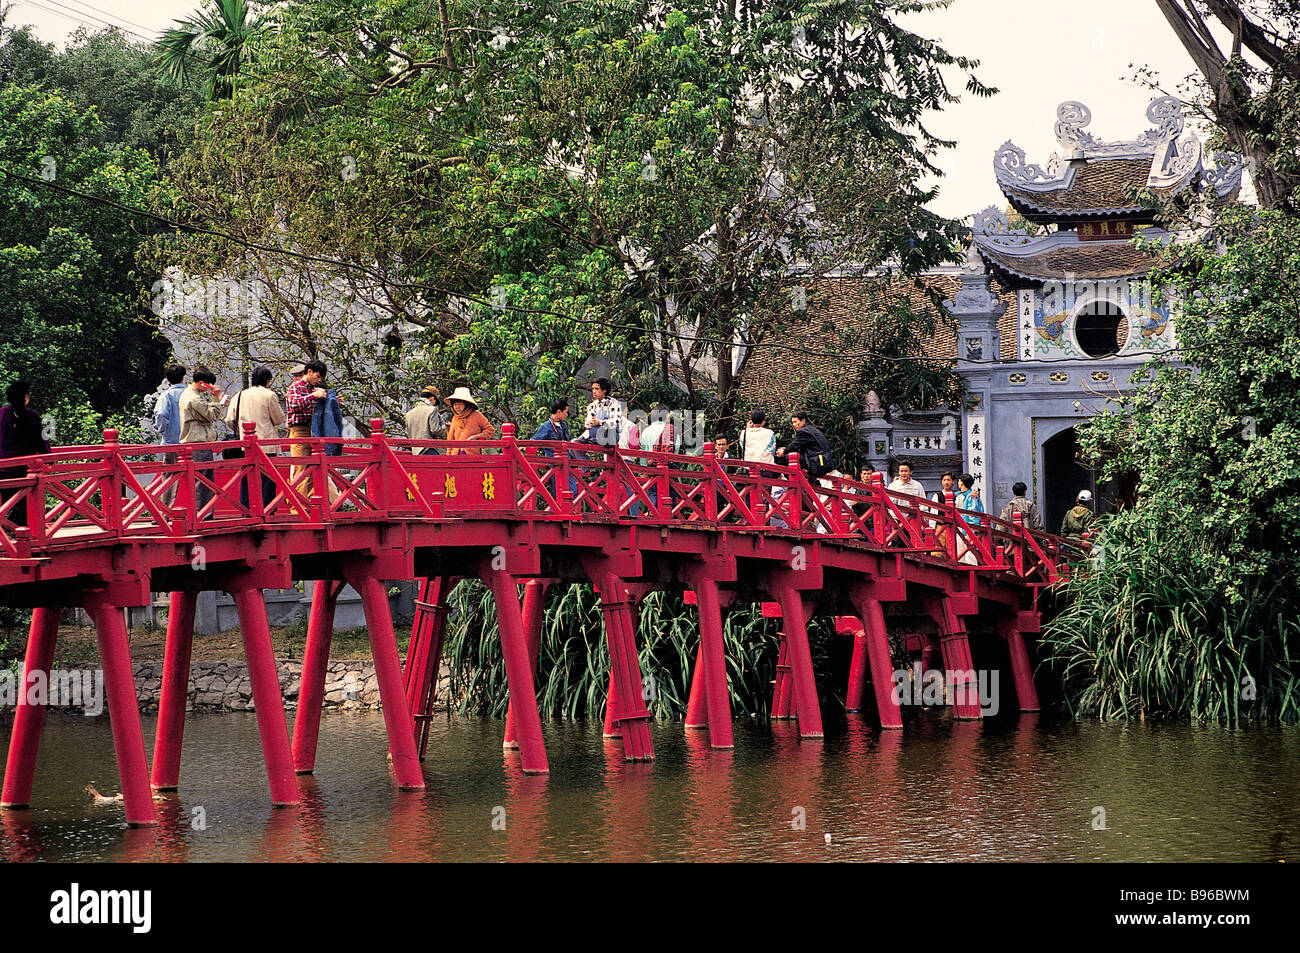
69 317
117 76
1194 581
492 193
1248 55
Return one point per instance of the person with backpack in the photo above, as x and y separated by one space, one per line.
1027 508
1080 518
815 456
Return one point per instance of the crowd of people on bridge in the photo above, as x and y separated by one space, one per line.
190 414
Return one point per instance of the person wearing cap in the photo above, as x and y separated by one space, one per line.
466 421
424 422
1080 518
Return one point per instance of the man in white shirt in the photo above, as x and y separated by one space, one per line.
757 443
905 483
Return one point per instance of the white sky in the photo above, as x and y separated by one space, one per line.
1038 53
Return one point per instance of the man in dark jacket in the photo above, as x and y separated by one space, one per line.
20 435
811 444
1079 520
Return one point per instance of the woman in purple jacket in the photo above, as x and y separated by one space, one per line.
20 436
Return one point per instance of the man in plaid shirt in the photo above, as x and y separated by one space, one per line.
300 401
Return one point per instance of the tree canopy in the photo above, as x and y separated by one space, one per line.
493 192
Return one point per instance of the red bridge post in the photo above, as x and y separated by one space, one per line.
533 613
855 696
697 705
25 739
782 686
388 673
875 643
315 661
424 654
711 666
123 709
1012 628
954 646
795 614
523 692
268 702
170 731
628 697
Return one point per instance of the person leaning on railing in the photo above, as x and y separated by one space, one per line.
20 436
1027 508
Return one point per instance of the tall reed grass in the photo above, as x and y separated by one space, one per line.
1145 633
573 662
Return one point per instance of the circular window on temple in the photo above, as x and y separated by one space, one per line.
1101 329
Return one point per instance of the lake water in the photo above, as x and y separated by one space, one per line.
1018 788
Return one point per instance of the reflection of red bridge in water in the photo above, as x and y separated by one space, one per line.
109 524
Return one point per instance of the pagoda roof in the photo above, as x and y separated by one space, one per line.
1061 256
1090 177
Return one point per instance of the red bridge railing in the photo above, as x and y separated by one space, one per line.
81 496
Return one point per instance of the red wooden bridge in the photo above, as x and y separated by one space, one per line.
102 527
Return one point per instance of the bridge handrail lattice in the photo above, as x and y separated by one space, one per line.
86 495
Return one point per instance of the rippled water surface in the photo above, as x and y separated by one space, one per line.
1017 789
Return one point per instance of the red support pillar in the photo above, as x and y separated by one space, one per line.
876 637
611 728
315 660
697 706
20 768
630 713
268 702
534 611
388 673
855 696
170 731
124 713
424 654
523 693
1013 629
955 648
714 661
808 708
782 693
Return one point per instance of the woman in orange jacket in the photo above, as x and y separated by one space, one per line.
466 422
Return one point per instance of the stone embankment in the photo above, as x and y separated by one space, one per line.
223 685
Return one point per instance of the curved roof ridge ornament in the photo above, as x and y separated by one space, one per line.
1176 163
1167 113
1011 167
1223 173
992 225
1071 117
